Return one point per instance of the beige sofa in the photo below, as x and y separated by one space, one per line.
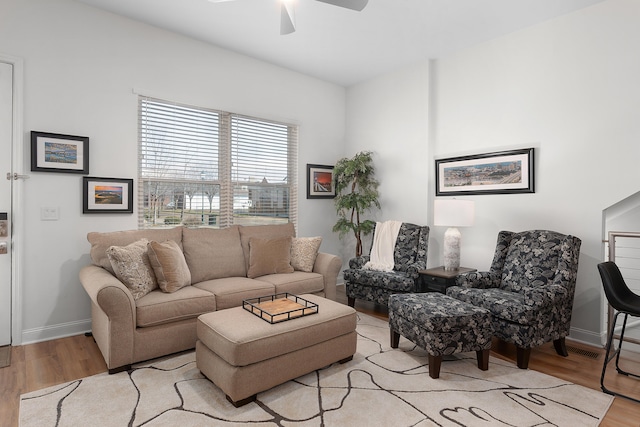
225 267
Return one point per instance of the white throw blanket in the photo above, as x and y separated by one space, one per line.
384 243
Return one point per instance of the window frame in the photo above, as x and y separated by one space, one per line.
222 176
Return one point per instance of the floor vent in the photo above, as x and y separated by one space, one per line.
582 352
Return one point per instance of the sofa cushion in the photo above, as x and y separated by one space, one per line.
132 267
297 283
231 291
169 265
271 231
213 253
100 242
304 251
159 307
269 256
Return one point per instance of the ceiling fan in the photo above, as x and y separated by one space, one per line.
287 17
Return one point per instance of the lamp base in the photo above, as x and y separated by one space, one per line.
452 249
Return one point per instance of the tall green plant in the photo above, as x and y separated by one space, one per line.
356 193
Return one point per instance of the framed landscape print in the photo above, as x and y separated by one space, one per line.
504 172
107 195
320 182
53 152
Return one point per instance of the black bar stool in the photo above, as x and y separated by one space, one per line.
624 301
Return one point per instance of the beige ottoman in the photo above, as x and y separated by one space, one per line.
244 355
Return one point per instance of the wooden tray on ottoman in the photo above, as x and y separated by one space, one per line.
280 307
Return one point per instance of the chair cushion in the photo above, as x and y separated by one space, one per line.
390 280
406 249
503 304
531 259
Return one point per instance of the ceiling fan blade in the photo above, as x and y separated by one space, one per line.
287 19
349 4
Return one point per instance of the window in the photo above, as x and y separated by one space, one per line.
202 167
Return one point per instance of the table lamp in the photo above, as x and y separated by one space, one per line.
452 213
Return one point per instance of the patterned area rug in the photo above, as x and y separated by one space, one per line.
380 387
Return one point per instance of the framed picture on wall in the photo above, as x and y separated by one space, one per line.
504 172
320 182
53 152
107 195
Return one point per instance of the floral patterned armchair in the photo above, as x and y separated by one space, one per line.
528 289
410 255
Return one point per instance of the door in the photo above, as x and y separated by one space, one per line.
6 136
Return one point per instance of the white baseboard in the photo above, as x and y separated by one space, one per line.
30 336
587 337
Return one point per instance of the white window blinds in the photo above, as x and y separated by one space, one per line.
201 167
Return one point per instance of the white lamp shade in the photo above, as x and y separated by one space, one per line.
453 212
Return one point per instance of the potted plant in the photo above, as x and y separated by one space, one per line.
356 193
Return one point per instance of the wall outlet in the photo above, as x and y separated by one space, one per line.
49 214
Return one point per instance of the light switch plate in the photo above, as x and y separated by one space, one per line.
49 213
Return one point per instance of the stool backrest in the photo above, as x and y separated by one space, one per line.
618 294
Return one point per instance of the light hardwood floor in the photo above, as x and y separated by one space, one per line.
41 365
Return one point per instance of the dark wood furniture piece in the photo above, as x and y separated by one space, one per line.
437 279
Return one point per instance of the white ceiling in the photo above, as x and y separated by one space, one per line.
341 45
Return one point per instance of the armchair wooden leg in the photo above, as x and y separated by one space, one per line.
351 301
522 356
483 359
434 366
395 338
561 347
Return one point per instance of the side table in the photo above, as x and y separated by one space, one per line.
437 279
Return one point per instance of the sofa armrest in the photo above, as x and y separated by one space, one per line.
113 315
329 266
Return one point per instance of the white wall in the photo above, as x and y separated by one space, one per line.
568 87
81 67
389 116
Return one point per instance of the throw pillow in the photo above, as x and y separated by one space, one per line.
132 267
269 256
169 265
213 253
304 251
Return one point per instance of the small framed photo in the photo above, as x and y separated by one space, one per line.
107 195
53 152
320 182
504 172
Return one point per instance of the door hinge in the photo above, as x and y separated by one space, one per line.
16 176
